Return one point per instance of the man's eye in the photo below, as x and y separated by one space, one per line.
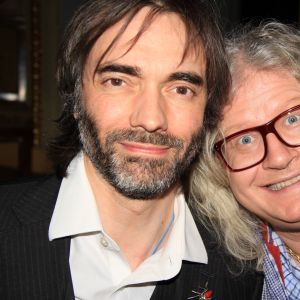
245 140
292 119
183 90
114 81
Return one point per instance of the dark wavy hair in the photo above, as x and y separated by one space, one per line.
93 18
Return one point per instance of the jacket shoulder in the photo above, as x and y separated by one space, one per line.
18 197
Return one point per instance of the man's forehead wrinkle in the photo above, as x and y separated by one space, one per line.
148 20
128 19
192 47
191 44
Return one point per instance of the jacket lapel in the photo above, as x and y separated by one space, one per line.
218 276
51 259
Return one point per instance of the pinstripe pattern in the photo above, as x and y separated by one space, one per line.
32 268
224 285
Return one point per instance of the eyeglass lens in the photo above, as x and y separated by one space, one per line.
248 148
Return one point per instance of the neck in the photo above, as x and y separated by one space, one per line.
135 225
292 241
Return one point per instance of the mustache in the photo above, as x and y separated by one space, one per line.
155 138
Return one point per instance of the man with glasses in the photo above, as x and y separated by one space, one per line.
252 167
249 147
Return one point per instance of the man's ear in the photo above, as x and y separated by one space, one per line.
76 111
76 115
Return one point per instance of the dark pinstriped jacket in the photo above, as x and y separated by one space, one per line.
32 268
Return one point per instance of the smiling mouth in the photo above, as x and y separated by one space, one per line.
280 185
145 148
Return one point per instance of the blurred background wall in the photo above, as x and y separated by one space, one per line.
30 33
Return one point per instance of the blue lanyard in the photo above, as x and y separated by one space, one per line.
164 235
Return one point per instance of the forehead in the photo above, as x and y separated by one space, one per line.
165 32
259 97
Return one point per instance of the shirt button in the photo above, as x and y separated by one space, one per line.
103 242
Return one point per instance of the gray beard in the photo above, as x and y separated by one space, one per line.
133 176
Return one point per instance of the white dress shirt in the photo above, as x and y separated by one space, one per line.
99 270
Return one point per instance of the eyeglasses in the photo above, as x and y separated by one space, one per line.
247 148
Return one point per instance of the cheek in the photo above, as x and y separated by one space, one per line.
110 114
241 184
185 123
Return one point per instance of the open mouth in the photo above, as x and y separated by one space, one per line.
280 185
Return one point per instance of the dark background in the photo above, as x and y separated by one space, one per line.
232 11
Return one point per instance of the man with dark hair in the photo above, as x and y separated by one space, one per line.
141 81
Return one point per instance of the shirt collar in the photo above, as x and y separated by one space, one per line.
184 243
186 231
76 213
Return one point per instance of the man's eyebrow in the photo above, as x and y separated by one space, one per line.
190 77
117 68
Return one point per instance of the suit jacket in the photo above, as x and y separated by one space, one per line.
32 268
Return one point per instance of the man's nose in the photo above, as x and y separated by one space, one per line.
278 155
149 111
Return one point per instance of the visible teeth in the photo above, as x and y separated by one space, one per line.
281 185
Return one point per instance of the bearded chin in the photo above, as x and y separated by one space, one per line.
133 176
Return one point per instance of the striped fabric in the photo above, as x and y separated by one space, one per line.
32 268
275 287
